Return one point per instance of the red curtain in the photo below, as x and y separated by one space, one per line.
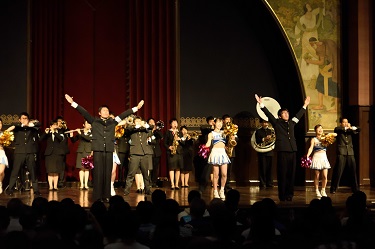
152 53
103 52
46 66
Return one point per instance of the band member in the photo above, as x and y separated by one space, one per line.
174 153
218 157
3 158
26 140
54 153
203 170
155 144
285 146
62 128
103 135
83 150
187 143
140 154
264 136
320 163
345 155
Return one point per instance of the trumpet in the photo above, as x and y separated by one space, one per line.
159 125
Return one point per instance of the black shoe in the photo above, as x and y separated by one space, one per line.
289 198
37 193
126 193
105 200
177 188
9 192
333 191
269 185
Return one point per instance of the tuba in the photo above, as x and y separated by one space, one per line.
269 144
266 145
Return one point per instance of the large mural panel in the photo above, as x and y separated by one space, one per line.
313 30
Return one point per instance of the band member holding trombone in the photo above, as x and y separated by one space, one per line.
285 146
103 134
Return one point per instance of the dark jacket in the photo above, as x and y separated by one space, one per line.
344 140
168 141
54 146
139 141
103 131
26 138
84 142
155 142
284 130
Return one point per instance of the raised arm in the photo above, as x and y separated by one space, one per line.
80 109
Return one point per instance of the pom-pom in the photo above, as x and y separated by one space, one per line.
328 139
306 162
6 138
87 162
203 151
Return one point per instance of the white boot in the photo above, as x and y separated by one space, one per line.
318 193
1 187
112 189
216 194
323 192
222 195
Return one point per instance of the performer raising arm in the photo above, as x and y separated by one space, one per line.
285 146
103 135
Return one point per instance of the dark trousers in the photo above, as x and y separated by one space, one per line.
341 161
19 161
103 163
138 161
155 169
122 169
286 168
265 170
62 174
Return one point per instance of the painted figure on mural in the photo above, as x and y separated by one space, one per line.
307 27
327 81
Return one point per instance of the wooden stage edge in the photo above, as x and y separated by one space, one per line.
248 195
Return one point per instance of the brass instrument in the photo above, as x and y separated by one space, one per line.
130 119
119 131
267 144
194 135
175 144
159 125
63 125
230 130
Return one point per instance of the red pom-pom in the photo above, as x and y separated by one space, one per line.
203 151
306 162
87 162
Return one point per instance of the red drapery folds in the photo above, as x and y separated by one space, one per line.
103 52
46 64
152 60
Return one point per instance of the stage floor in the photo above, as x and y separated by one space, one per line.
249 195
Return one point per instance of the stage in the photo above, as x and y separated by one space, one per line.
249 195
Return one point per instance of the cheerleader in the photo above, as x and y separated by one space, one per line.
320 163
218 157
3 159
